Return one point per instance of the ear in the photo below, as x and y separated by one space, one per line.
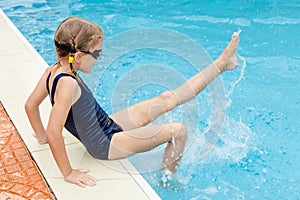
78 56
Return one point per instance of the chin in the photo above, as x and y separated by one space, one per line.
89 71
86 71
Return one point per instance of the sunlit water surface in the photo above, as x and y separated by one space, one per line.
256 156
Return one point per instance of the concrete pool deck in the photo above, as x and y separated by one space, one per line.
21 68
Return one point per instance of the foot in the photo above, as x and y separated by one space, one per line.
171 181
228 59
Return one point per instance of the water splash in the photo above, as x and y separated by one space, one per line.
234 142
231 142
242 63
170 181
232 85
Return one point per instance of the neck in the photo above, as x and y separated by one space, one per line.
67 67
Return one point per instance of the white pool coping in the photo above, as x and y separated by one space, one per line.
21 68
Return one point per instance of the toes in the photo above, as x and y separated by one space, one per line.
235 39
235 34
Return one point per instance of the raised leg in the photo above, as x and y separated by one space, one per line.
143 113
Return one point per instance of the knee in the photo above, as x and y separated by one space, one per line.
179 130
170 100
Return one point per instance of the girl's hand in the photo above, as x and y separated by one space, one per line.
41 140
81 178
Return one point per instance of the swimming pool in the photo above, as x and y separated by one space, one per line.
256 157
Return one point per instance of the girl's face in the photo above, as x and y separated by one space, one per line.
89 59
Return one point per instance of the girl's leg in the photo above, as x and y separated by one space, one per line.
124 144
144 112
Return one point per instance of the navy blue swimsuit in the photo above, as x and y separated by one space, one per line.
87 121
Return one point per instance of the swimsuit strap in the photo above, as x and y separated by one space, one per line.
47 83
56 79
48 78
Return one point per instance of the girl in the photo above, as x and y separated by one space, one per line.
78 45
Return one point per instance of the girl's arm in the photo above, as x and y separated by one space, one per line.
64 98
32 108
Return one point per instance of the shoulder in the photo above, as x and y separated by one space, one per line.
67 89
49 68
67 82
47 71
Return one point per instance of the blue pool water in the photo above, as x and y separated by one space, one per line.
256 157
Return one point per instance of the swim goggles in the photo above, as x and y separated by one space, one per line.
95 54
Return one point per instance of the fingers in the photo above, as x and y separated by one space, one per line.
80 184
89 180
81 178
93 179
